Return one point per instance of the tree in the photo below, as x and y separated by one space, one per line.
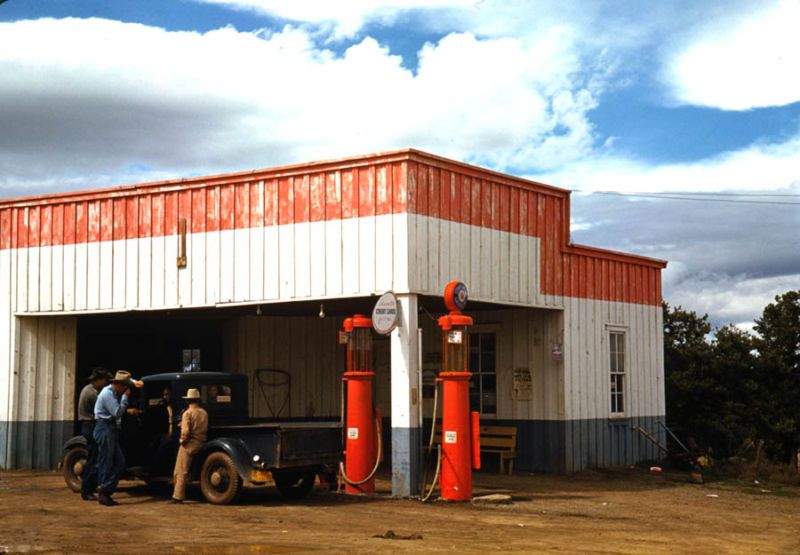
736 387
689 389
735 370
779 353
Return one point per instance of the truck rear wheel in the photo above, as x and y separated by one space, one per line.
220 482
294 484
72 465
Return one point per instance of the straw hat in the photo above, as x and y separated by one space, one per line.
192 395
122 377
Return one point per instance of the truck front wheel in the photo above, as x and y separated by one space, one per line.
294 484
219 480
73 463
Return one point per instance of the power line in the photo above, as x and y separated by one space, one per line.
669 196
708 194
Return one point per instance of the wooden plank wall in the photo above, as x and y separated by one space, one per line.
406 221
7 334
596 439
44 387
306 347
311 234
575 388
509 241
587 324
523 341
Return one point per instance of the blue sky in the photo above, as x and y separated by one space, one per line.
676 97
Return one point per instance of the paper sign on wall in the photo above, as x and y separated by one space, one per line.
522 385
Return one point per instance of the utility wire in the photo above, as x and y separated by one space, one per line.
708 194
669 196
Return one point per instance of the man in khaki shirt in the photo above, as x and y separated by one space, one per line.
194 427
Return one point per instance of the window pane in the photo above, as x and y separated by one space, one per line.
474 362
474 393
487 362
489 393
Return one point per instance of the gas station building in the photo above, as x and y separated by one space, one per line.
254 273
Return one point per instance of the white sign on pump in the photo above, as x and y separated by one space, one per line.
384 315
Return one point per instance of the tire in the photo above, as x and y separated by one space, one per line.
72 466
220 482
295 484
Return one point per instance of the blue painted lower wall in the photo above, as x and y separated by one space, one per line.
33 444
573 445
560 446
542 445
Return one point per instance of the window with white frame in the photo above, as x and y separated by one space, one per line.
616 350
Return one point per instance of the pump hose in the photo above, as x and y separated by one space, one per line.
430 448
377 461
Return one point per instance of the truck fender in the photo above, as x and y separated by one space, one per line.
234 448
77 441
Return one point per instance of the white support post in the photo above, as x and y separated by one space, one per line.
405 399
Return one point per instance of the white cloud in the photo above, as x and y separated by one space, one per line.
741 63
729 299
114 100
758 167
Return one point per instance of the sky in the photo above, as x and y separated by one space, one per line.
676 123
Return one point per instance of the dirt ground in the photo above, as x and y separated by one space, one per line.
621 511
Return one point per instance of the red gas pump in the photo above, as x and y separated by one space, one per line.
363 440
460 429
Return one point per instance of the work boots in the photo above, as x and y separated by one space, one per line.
105 499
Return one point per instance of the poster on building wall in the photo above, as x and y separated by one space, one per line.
522 385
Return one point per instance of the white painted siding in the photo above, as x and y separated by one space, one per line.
489 261
362 256
586 325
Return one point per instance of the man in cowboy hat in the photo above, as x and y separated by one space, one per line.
194 427
98 379
112 403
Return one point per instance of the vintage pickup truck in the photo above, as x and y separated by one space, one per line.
239 451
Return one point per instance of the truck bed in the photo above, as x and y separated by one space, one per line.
286 444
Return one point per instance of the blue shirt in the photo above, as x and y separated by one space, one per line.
109 406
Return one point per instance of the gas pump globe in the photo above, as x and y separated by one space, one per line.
362 444
460 429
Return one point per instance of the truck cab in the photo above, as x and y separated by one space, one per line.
239 451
